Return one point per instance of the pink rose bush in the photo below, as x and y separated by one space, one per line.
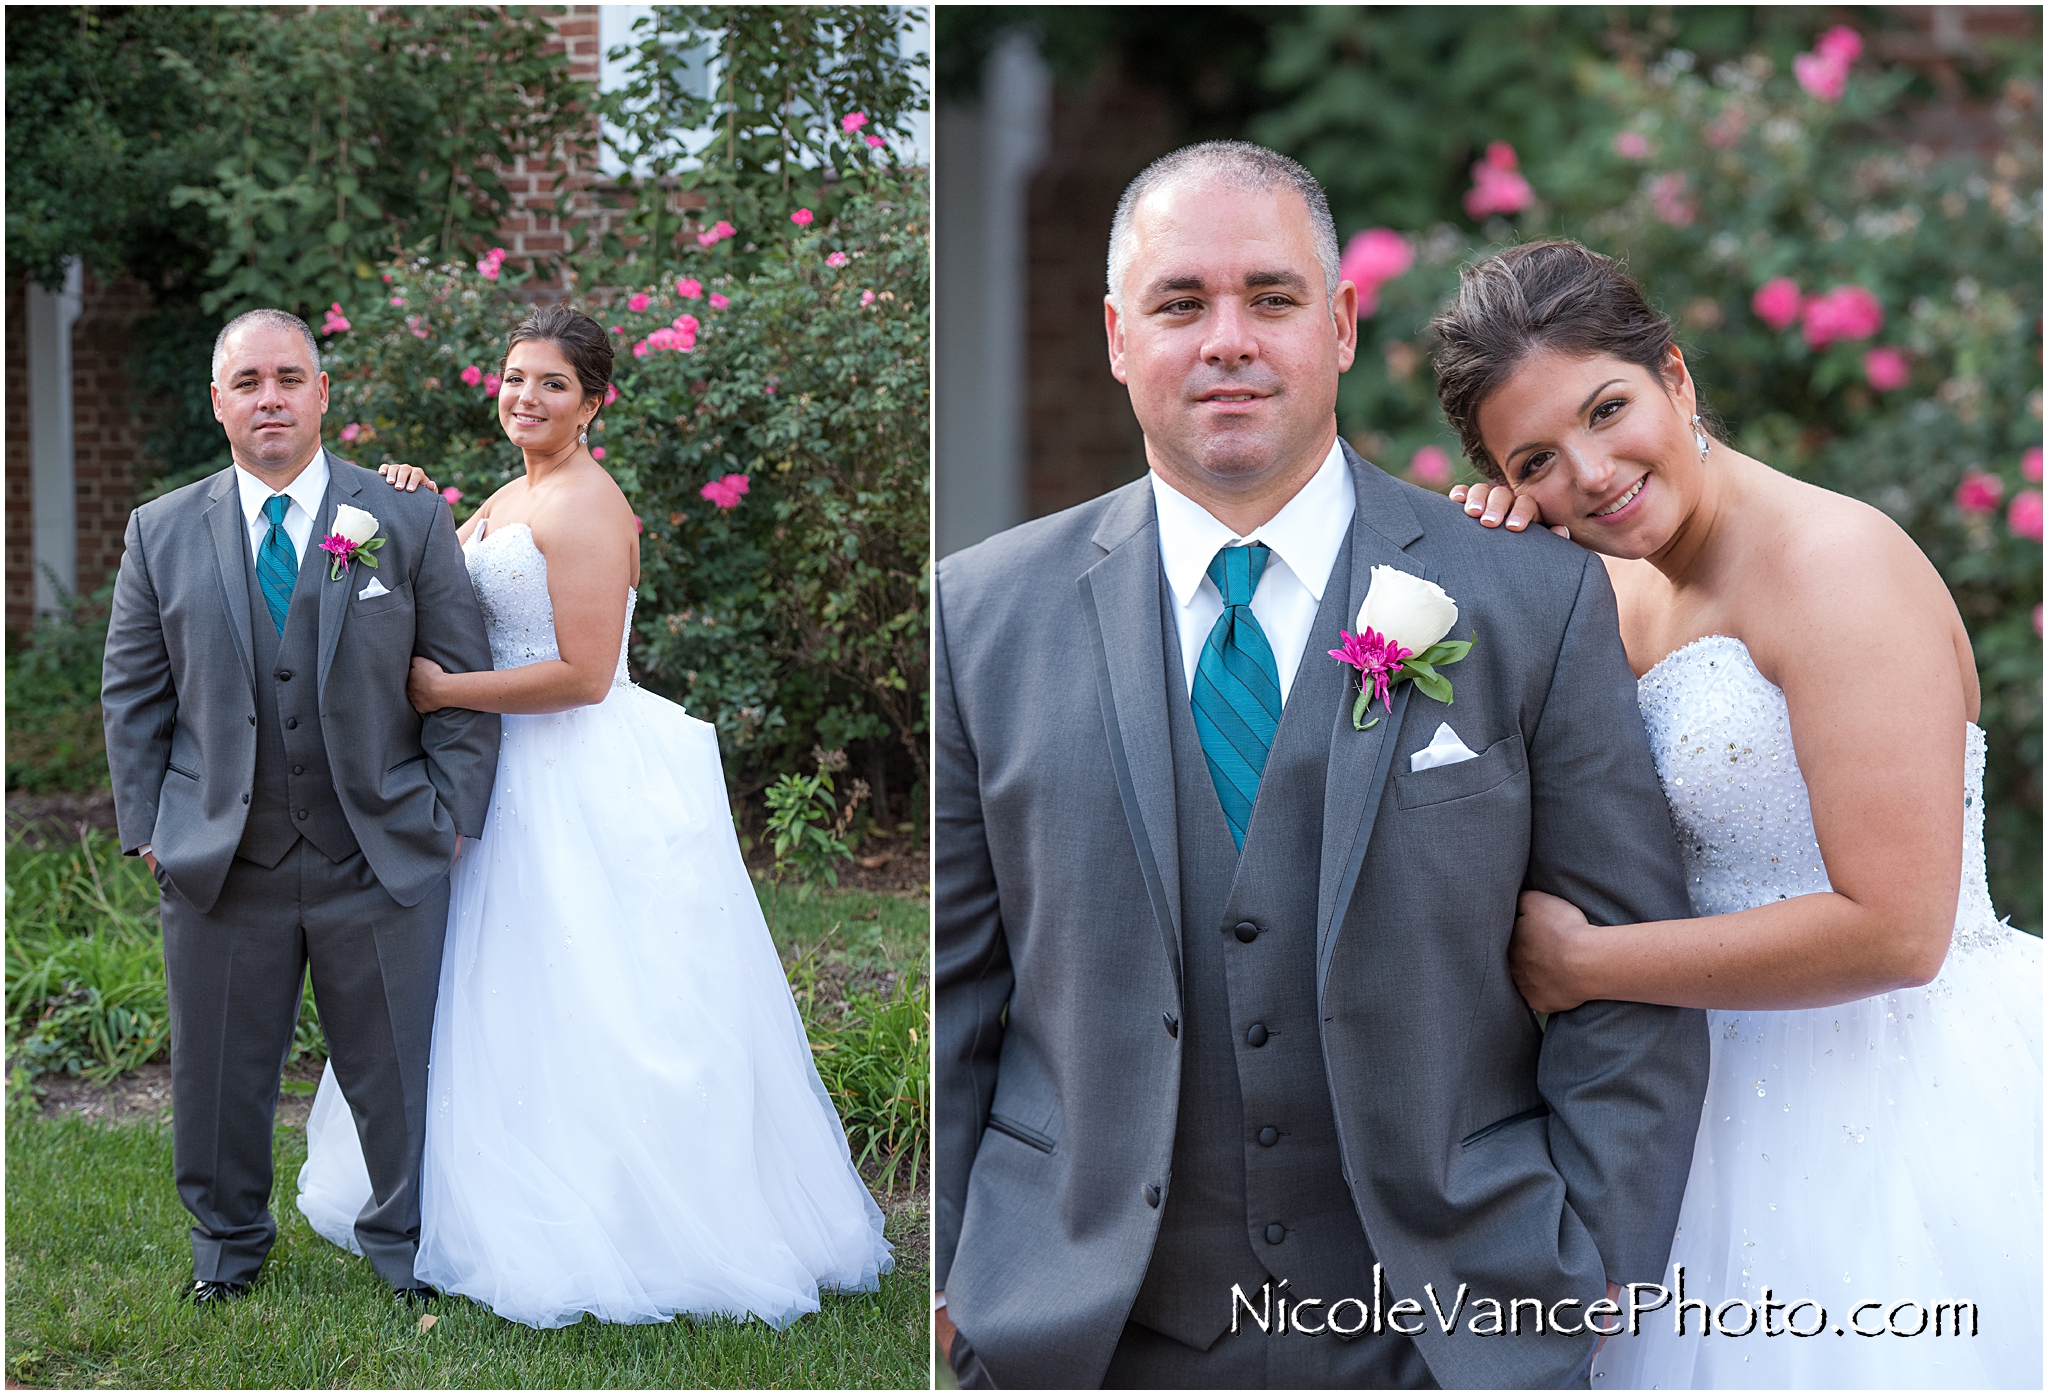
836 260
351 431
1497 185
1979 493
1825 72
1632 145
471 375
2030 464
1886 369
718 302
1672 199
1777 301
715 234
689 288
492 382
336 321
1371 259
1431 466
451 494
853 121
493 261
802 217
639 301
1845 312
2024 517
725 492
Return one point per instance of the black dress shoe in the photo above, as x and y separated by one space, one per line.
417 1296
215 1291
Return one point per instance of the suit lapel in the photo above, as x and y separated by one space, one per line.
230 533
333 594
1381 528
1121 606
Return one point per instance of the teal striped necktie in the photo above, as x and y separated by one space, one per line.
1237 688
277 564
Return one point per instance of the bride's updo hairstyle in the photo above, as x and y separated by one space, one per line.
1553 295
581 339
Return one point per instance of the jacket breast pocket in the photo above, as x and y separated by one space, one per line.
397 599
1504 760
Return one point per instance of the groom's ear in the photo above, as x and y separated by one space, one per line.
1344 312
323 392
1113 326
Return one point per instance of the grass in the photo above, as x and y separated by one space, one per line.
96 1240
96 1254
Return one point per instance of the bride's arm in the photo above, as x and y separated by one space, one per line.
1865 642
587 539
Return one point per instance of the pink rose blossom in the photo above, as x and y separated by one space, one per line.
867 298
597 452
2037 617
1727 128
663 338
398 300
689 288
770 389
493 260
451 494
1632 145
1886 369
1371 259
2024 517
640 349
351 431
611 393
1373 656
725 492
718 302
687 324
418 325
1825 71
875 142
1431 466
492 382
1979 493
1840 44
472 375
1497 187
853 121
1776 302
638 526
639 302
1672 200
836 260
802 217
2030 464
1845 312
336 321
618 329
387 276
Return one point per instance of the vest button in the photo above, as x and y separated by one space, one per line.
298 770
291 724
1172 1024
284 675
245 799
302 813
1275 1233
1152 1196
1268 1136
1246 932
1256 1034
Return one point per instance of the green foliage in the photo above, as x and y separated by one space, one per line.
795 616
786 76
56 740
1746 178
876 1067
805 822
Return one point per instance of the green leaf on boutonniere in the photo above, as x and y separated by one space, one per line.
1432 684
1445 651
363 552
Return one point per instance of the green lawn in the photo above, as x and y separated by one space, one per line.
96 1240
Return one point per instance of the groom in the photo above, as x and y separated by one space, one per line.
1231 1066
294 808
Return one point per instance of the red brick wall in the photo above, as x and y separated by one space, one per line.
108 423
532 228
20 473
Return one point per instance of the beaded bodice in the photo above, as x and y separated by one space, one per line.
1722 739
511 579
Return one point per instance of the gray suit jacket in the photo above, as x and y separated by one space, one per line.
179 686
1059 932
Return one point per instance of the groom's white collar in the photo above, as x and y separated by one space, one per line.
1306 534
307 491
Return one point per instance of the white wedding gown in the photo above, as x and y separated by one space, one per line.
623 1115
1883 1151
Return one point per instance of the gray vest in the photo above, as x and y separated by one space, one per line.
293 791
1258 1184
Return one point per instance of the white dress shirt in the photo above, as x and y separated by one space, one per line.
306 493
1305 537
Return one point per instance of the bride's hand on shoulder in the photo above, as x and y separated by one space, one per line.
1495 504
420 689
1549 937
406 477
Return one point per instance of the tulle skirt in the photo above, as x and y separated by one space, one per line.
623 1117
1874 1160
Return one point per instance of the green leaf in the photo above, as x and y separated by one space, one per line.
1434 685
1358 710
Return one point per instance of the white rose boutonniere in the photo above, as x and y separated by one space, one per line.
1401 629
353 540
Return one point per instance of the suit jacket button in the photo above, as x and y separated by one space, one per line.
1275 1233
1255 1035
1152 1196
1268 1136
284 675
245 799
252 719
291 724
1246 932
1172 1024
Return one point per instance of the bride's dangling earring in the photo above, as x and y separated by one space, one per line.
583 433
1699 436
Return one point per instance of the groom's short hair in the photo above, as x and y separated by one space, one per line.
1239 165
274 319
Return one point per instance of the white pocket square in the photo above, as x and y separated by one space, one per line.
377 588
1443 749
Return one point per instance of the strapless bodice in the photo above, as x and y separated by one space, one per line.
511 579
1722 739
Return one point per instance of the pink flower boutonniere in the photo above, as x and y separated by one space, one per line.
353 540
1401 629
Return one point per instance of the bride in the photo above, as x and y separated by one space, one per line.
1872 1129
624 1119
